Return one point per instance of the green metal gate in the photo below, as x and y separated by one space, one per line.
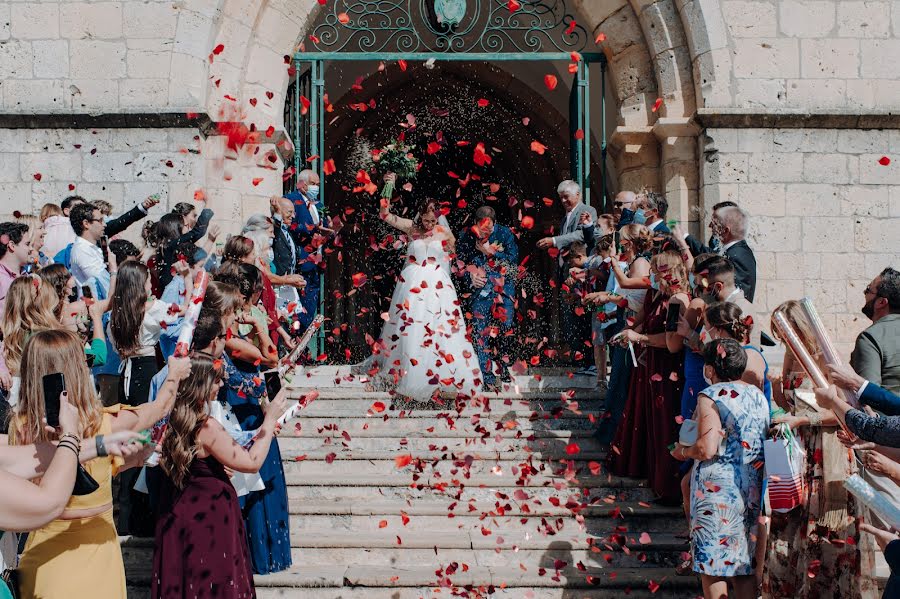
444 30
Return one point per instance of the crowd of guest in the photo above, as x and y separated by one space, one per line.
691 401
102 317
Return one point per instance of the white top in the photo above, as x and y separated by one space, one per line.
156 318
88 266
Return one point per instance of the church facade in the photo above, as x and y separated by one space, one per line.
791 108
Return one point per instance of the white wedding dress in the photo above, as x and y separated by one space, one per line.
423 348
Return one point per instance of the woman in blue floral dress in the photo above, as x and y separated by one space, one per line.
727 481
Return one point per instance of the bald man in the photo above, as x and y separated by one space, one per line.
623 208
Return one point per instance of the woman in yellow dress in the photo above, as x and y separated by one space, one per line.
78 555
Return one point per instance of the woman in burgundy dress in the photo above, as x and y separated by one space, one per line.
648 427
201 550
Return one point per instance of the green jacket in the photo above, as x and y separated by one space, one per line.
876 356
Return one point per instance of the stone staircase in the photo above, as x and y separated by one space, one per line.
502 497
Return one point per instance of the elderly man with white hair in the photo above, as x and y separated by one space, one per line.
729 224
571 229
576 327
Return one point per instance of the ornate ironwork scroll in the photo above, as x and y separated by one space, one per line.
448 26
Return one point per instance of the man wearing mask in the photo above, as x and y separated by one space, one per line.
651 212
576 329
876 356
729 225
310 232
623 208
490 257
715 282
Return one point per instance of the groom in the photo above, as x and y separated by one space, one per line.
489 260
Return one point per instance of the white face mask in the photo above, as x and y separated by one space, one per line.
270 254
706 378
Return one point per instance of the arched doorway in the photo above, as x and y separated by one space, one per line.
445 109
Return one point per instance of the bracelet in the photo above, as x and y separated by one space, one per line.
101 447
815 419
75 438
70 446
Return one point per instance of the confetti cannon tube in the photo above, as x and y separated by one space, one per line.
800 352
872 499
796 345
830 353
190 316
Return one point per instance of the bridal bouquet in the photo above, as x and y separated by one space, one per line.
395 158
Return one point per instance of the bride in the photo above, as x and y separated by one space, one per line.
423 349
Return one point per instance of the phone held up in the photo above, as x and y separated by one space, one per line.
273 383
54 385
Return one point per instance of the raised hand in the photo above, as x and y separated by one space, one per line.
545 243
69 419
845 377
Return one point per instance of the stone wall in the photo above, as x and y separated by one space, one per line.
825 213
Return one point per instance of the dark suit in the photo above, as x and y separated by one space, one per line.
661 229
492 305
285 260
120 223
879 398
303 230
740 255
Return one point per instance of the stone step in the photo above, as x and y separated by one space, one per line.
510 448
602 591
375 490
403 428
509 578
446 470
464 427
527 507
351 408
356 394
347 452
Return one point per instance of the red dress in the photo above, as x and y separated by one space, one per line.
201 549
648 427
268 301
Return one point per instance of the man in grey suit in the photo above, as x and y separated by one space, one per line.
571 229
876 356
576 327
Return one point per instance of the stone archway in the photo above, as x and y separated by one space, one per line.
670 49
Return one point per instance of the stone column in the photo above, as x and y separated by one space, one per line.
635 151
679 178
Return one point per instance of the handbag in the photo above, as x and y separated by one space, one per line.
785 470
84 482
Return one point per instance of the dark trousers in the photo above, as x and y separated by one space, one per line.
576 332
617 390
491 344
309 299
135 515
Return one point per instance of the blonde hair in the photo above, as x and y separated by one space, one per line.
49 352
48 210
30 306
180 445
639 236
795 315
103 206
671 272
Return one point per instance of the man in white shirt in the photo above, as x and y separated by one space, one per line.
571 229
88 265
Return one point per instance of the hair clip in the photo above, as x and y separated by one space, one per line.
4 239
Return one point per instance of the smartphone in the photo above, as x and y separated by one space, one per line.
273 383
54 385
672 317
86 292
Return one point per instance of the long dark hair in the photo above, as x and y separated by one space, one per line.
180 444
127 307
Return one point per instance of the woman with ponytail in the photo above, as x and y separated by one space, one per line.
200 539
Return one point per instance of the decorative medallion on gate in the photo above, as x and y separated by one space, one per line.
448 26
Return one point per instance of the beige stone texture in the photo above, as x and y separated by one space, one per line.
90 20
864 19
33 20
766 58
807 18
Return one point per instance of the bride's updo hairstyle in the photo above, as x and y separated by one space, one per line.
429 214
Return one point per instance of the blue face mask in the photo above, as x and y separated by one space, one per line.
312 192
653 282
691 279
640 217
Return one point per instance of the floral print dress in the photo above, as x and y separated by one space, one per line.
726 491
